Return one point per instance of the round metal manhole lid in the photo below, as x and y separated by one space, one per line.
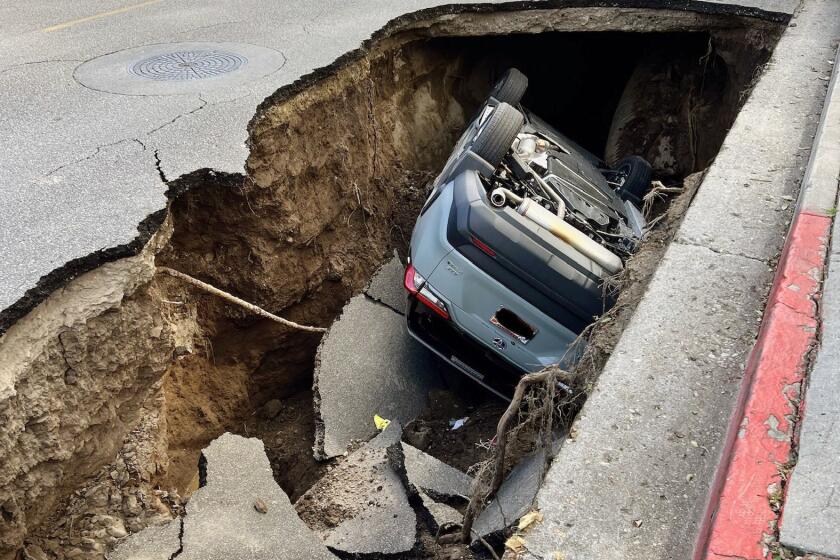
178 68
188 65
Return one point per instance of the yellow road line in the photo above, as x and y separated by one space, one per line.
98 16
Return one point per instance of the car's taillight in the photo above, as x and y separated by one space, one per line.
425 295
413 281
416 286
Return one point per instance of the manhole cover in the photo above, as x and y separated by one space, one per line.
188 65
178 68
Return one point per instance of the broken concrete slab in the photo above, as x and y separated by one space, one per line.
367 364
158 542
386 286
361 506
515 497
221 520
434 477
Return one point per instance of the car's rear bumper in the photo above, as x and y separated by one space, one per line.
461 350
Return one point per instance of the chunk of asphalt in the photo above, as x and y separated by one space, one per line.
386 286
515 497
366 365
361 506
434 477
439 513
157 542
221 520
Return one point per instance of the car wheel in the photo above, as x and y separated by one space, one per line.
637 175
496 136
511 87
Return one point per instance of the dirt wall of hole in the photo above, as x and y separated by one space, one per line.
334 181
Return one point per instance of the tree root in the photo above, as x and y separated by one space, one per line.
235 300
547 376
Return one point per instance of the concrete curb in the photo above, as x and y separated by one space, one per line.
740 518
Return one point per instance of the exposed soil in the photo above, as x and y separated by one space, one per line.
155 370
463 447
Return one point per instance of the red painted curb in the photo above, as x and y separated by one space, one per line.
759 438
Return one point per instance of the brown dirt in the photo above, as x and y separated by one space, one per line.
465 447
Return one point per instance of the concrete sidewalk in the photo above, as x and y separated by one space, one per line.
635 481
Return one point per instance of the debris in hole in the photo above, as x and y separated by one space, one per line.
361 506
271 409
440 513
386 285
260 506
367 365
433 476
514 499
380 423
454 424
222 519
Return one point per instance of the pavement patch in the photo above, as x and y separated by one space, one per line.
367 365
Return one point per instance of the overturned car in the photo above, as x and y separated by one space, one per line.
510 252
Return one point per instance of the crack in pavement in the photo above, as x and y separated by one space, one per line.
382 303
49 61
719 251
95 153
180 538
159 166
204 104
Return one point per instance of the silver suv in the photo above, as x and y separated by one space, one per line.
509 255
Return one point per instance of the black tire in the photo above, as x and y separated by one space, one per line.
511 87
498 133
637 175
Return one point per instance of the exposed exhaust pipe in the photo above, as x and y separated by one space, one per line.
500 196
608 260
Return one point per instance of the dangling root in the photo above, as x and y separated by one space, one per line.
235 300
548 377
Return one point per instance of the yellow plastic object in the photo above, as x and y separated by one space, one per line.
381 423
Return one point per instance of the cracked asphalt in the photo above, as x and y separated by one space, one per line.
81 168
